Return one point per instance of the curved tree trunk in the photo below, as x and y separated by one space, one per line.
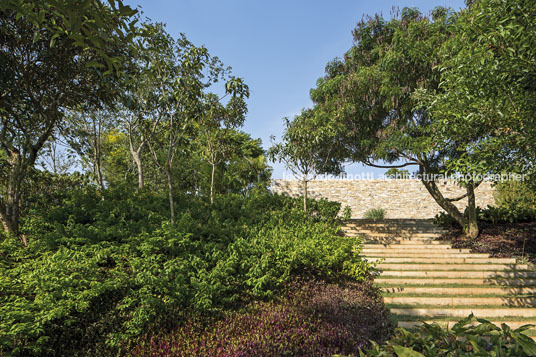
469 223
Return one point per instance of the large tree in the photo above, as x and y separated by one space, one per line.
54 56
370 93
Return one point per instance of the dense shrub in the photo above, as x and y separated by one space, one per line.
313 319
469 337
110 265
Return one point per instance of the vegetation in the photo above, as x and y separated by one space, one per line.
169 238
375 214
107 266
468 337
307 148
397 173
312 319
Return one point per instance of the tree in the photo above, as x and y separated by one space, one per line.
54 56
216 127
86 133
140 100
370 93
307 148
397 173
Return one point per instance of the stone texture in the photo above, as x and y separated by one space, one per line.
399 198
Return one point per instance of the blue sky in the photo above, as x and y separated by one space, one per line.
279 47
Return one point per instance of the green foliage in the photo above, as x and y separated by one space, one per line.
347 213
397 173
487 100
104 266
468 337
375 214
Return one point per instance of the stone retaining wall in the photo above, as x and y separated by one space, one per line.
399 198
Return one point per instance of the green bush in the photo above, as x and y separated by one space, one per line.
469 337
375 214
101 268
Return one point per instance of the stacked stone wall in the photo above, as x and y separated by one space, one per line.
399 198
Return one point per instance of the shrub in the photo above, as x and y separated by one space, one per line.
313 319
109 265
375 214
469 337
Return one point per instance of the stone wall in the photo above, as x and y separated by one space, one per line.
399 198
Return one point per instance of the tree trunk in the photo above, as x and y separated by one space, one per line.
305 195
170 193
444 203
472 224
212 184
10 210
98 169
139 167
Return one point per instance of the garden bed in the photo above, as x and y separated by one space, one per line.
500 240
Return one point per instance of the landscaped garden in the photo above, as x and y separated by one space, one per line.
137 213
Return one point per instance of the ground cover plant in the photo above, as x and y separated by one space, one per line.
313 318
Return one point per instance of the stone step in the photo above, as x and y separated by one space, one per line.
393 235
409 229
431 254
484 313
445 260
419 245
461 274
393 227
461 301
448 324
411 250
507 283
453 267
408 242
477 290
401 240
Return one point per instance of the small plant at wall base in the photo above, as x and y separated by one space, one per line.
347 213
375 214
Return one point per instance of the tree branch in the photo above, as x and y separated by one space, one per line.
368 163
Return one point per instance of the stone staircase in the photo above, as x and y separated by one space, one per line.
423 279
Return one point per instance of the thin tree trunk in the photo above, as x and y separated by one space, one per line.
170 193
137 160
98 169
212 184
305 195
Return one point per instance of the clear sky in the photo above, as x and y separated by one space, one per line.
279 47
